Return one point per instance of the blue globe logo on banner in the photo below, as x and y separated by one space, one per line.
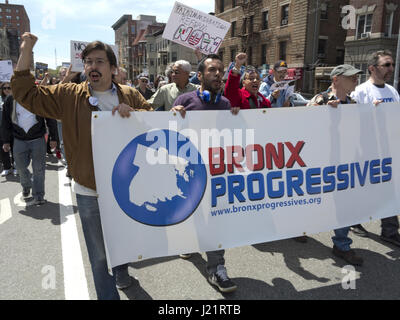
159 178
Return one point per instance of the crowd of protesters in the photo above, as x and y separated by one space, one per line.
58 108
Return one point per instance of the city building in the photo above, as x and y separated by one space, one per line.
304 33
15 20
161 52
129 34
376 27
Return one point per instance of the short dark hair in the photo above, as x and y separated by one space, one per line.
202 64
374 58
98 45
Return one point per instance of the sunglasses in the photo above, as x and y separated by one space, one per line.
6 88
144 81
387 65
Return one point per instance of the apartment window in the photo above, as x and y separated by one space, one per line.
250 55
265 20
233 53
364 25
244 26
233 27
339 56
8 17
263 54
8 10
389 24
17 17
324 11
233 3
221 5
174 56
251 23
282 50
285 15
16 10
322 48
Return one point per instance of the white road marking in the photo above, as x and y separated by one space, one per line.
75 283
5 210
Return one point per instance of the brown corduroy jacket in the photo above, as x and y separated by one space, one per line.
70 103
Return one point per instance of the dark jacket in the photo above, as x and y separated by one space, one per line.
11 129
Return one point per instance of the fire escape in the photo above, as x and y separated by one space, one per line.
251 25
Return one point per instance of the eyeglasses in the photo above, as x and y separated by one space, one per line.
6 88
145 81
387 65
99 62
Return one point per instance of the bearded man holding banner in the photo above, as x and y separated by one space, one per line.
74 104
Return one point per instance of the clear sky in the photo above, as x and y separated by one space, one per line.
56 22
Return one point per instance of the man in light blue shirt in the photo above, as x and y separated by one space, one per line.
277 97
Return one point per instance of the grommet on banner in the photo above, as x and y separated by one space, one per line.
264 111
95 116
304 233
174 113
219 246
140 257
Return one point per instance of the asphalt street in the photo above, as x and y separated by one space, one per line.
39 260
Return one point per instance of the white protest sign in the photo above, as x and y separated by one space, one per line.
195 29
6 70
271 176
77 48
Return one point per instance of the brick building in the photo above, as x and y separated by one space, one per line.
376 28
129 37
15 21
305 33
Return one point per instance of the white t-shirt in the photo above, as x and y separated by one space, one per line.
25 118
107 100
368 93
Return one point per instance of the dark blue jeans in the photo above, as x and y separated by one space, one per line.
341 239
24 153
90 217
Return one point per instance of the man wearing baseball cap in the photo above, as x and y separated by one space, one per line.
344 81
277 97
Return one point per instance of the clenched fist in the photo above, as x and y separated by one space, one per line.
28 40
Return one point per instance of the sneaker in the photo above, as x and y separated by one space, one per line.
359 230
39 202
122 279
26 192
222 281
302 239
185 255
395 239
348 256
5 173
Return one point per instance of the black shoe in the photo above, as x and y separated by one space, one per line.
302 239
395 239
222 281
348 256
122 279
26 192
359 230
39 202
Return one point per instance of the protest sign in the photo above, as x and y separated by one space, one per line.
77 48
40 70
213 180
6 70
195 29
284 85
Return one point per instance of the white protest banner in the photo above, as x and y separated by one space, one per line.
195 29
6 70
77 48
274 174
